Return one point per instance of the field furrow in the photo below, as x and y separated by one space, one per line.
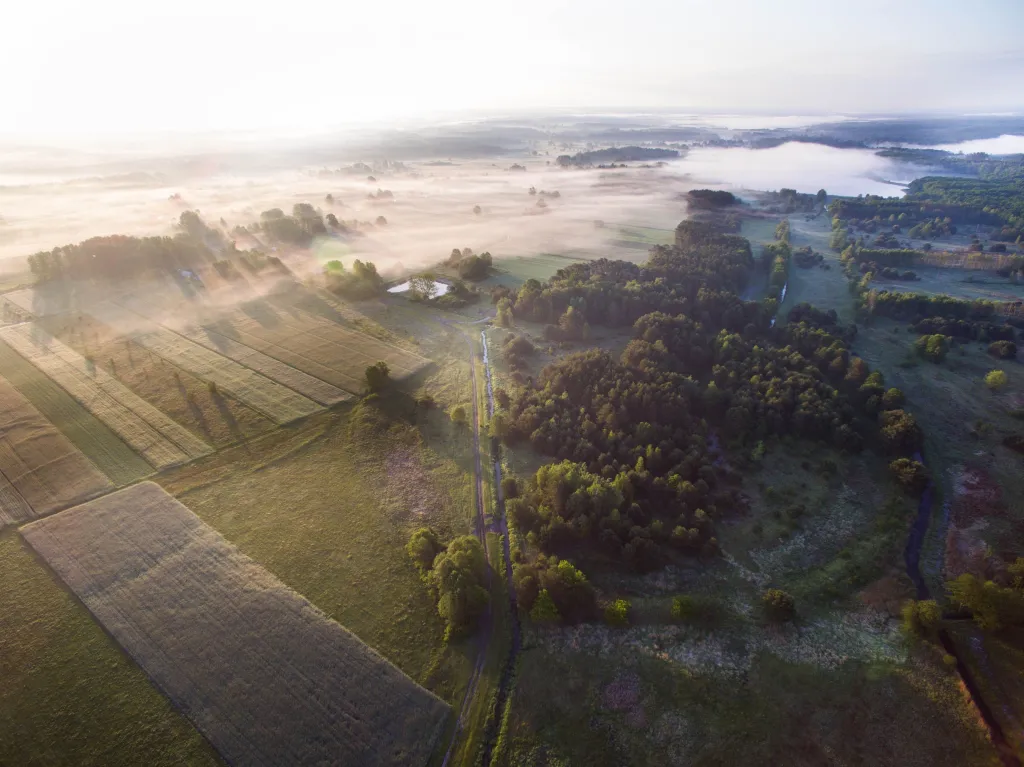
265 676
86 432
109 400
274 369
13 508
277 402
38 463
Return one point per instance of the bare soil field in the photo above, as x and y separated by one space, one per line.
86 432
277 402
216 416
262 673
157 438
42 469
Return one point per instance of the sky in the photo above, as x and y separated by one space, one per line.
118 67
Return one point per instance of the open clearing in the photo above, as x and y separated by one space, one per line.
216 416
969 285
104 448
40 470
297 380
275 401
70 696
152 434
539 267
262 673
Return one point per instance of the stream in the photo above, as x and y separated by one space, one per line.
912 560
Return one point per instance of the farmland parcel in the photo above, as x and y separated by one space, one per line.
153 435
275 401
86 432
262 673
312 344
40 471
307 385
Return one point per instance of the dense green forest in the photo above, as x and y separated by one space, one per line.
635 479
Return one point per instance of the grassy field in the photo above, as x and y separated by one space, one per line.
273 400
572 709
960 283
542 266
37 462
153 435
70 696
104 448
328 504
217 417
264 675
825 288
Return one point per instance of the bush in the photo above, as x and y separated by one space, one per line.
778 605
995 380
544 609
921 618
910 473
1003 350
423 547
934 347
617 613
377 376
458 415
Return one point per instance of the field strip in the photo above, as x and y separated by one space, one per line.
274 369
273 400
264 675
86 432
38 464
108 399
13 508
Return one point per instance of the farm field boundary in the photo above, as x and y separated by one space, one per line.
274 369
264 675
157 438
273 400
105 449
40 470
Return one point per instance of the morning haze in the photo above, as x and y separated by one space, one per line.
539 384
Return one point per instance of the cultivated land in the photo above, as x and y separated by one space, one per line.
217 417
316 346
40 470
70 696
157 438
104 448
262 673
273 400
306 385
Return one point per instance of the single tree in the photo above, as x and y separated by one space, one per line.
377 376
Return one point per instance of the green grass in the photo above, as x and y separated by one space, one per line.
104 448
69 695
969 285
780 713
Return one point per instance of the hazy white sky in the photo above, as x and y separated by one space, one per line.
117 66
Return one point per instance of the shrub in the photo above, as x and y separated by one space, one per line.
1003 350
377 376
544 609
423 547
778 605
910 473
617 613
934 347
995 380
921 618
458 415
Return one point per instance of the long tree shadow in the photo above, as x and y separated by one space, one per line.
197 412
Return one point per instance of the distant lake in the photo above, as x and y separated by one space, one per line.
1005 144
800 166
